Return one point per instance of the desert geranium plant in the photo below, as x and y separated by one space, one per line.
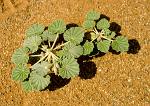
56 49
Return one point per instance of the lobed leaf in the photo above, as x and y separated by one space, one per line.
107 32
112 35
60 53
88 24
57 26
103 46
74 35
27 86
48 36
69 68
88 48
38 81
32 43
42 68
103 24
71 50
20 73
20 56
120 44
35 30
92 15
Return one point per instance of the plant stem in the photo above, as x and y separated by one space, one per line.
53 56
36 55
41 59
106 38
54 42
49 44
60 45
100 35
95 30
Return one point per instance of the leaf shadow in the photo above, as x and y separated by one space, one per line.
104 16
87 70
57 82
70 25
134 46
115 27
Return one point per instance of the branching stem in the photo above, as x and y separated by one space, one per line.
106 38
41 59
100 35
60 45
54 42
39 55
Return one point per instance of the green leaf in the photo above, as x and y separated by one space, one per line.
60 53
69 68
92 15
120 44
103 24
72 50
20 73
38 81
88 48
112 35
27 86
58 26
32 43
48 36
88 24
107 32
103 46
74 35
20 56
41 68
35 30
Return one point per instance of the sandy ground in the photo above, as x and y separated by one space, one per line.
112 79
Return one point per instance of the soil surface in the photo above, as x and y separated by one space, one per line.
111 79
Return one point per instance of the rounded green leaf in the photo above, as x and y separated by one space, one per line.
48 36
20 56
42 68
74 35
38 81
69 68
20 73
57 26
92 15
112 35
35 30
107 32
103 24
88 48
88 24
120 44
60 53
72 50
103 46
27 86
32 43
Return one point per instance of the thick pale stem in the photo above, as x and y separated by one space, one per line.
36 55
41 59
53 56
106 38
54 42
49 44
100 35
58 47
95 30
